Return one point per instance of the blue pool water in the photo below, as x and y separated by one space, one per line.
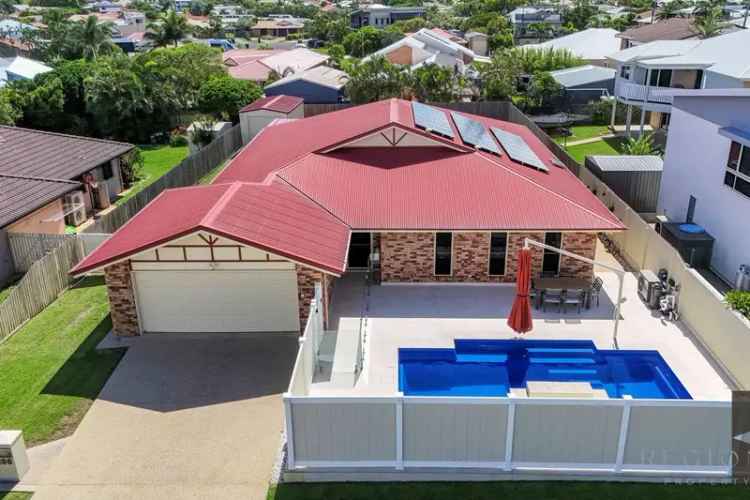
492 367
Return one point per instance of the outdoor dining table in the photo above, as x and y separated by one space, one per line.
562 283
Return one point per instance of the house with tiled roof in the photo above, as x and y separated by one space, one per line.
49 181
413 193
258 65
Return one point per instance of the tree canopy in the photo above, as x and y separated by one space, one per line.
223 96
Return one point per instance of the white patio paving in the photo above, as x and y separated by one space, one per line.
413 315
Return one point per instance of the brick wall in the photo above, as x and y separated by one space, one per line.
306 279
121 299
583 244
409 257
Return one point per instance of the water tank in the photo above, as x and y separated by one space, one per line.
742 281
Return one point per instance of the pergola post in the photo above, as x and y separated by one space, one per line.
620 274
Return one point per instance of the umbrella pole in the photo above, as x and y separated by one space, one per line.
620 275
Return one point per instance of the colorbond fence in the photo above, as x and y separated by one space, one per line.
186 173
614 436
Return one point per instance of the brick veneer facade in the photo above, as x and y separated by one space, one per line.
409 257
123 307
306 279
121 299
583 244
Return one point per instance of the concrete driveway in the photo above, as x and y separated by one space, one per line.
183 416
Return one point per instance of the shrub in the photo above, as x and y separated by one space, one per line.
739 301
131 166
177 140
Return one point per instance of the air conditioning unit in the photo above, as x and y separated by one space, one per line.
650 288
75 208
101 195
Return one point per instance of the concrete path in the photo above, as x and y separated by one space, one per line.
589 140
183 417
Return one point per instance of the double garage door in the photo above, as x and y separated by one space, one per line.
217 301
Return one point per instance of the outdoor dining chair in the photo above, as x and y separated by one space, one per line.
573 297
552 296
596 287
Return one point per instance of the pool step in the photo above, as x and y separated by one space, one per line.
486 357
562 361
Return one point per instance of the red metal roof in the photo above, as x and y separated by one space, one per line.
298 188
284 222
278 103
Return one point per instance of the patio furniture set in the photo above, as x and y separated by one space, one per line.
564 292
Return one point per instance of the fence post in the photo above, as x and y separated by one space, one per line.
400 431
289 432
509 430
623 439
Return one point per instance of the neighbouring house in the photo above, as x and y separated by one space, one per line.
230 15
477 42
648 74
522 17
181 5
415 193
318 85
706 176
277 27
49 181
20 68
593 45
675 28
583 84
134 42
429 47
380 16
258 115
12 41
258 65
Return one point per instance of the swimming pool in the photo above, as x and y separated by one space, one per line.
493 367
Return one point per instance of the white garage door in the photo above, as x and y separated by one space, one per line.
217 301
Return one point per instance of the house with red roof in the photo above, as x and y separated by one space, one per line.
413 193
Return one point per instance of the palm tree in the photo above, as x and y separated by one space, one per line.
643 145
709 24
170 28
669 9
93 38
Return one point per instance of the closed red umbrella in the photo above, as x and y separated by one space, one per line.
520 316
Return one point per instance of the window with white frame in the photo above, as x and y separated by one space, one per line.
737 176
625 72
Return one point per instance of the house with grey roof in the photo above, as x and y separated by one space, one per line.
583 84
49 181
20 68
318 85
648 74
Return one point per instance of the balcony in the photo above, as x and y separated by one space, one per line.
646 96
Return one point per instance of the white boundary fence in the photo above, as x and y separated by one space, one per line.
615 436
309 343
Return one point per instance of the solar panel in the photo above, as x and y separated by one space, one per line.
474 133
431 119
517 149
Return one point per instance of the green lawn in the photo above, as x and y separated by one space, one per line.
50 369
157 161
210 176
14 495
581 132
608 146
515 490
8 287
